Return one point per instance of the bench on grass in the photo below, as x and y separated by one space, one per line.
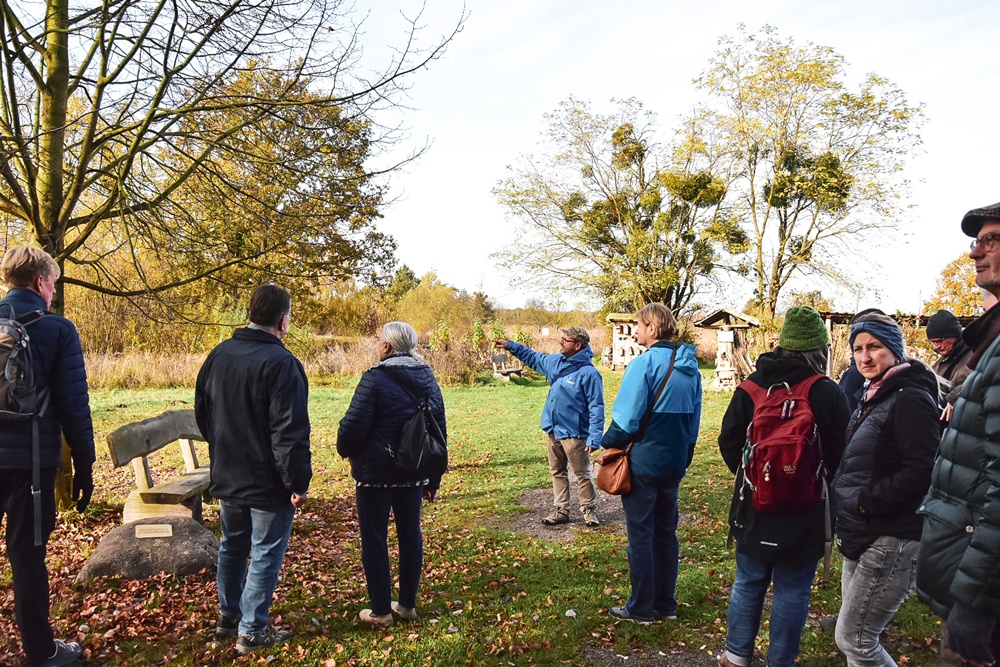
178 496
503 368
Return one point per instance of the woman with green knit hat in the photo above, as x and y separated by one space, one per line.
774 550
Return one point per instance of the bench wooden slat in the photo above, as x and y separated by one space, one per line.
142 438
178 489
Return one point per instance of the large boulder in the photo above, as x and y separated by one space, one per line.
190 549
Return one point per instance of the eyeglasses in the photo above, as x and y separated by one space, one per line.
987 242
567 340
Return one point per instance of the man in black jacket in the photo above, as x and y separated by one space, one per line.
57 361
251 403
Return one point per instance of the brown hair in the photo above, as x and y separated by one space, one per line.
269 304
663 321
22 264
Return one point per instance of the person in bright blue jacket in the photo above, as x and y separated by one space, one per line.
573 418
661 453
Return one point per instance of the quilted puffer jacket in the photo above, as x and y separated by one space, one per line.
375 418
886 466
959 559
58 365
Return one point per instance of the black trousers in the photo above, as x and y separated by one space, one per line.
27 562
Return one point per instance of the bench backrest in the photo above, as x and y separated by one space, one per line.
132 443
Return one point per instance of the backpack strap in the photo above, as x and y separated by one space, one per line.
572 368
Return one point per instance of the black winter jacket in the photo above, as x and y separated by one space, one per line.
58 365
785 539
959 556
886 467
251 402
378 410
954 368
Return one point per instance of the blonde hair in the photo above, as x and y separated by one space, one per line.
663 321
402 338
22 264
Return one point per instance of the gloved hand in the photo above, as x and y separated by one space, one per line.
83 486
969 633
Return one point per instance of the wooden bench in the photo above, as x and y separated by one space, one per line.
179 496
503 368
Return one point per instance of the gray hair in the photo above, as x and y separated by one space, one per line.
402 338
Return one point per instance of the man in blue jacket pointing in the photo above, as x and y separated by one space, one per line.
573 417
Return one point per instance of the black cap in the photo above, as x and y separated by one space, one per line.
943 324
974 219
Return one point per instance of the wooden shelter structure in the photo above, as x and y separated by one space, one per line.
624 347
732 361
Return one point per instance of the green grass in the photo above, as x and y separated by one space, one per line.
490 596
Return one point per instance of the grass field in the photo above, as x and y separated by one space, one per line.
490 596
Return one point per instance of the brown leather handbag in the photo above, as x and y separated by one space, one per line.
614 476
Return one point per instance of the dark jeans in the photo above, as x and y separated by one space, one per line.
27 562
653 552
373 519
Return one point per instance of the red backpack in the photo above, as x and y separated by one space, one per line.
783 459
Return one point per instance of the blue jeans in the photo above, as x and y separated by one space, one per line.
262 536
872 589
374 504
789 609
653 552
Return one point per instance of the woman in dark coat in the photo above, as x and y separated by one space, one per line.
883 476
780 550
378 411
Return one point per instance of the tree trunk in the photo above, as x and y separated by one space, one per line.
51 230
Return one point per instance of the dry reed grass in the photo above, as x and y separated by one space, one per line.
142 370
326 361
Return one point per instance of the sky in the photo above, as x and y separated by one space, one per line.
481 107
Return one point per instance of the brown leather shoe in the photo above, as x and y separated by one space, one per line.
725 662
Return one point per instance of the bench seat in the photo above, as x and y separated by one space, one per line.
178 489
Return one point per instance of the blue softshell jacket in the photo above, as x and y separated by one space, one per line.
574 407
665 450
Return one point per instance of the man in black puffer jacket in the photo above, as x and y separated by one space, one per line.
58 368
958 567
251 403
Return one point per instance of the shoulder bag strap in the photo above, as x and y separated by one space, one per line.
644 423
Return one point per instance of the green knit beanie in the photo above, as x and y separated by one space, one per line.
803 330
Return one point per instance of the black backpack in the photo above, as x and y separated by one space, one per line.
20 400
422 447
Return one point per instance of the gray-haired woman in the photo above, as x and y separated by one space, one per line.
381 405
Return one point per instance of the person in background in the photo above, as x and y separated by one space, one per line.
57 360
883 476
379 409
944 332
573 418
659 458
780 550
960 548
251 402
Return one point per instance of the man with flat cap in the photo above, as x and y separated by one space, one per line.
573 418
959 558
